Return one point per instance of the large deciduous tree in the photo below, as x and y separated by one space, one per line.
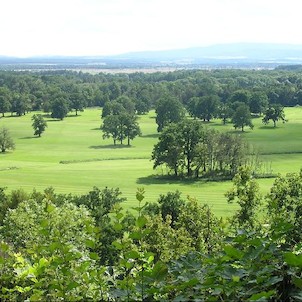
121 126
59 108
6 141
131 127
110 127
275 112
242 117
205 107
246 193
5 100
168 110
39 124
168 151
258 102
176 146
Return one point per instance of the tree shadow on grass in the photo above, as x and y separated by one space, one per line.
247 130
99 129
154 135
268 127
29 137
163 179
111 147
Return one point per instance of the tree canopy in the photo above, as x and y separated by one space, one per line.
275 112
6 141
39 124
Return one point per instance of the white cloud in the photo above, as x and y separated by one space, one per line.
96 27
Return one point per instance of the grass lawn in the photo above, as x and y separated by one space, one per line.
72 157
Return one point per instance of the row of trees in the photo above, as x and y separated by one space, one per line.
78 248
203 93
169 110
187 148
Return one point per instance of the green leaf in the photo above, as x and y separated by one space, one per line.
44 223
90 243
94 256
54 246
117 227
233 252
140 194
260 296
135 235
118 245
3 247
43 262
298 282
50 208
119 216
132 255
293 260
141 221
159 271
72 285
236 278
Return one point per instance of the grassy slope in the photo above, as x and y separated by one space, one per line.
96 162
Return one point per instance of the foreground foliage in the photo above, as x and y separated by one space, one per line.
173 250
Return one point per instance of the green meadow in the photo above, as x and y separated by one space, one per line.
72 157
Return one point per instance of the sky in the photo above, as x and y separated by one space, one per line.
108 27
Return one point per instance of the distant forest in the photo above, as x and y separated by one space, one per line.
21 92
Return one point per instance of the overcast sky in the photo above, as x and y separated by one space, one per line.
104 27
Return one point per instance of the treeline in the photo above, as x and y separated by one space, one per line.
205 94
62 247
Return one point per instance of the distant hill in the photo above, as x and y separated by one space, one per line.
222 55
239 51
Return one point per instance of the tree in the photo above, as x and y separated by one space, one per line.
76 98
242 96
39 124
258 102
110 127
20 104
121 126
168 110
170 204
247 194
112 108
100 202
275 112
127 103
225 111
207 107
59 108
6 141
168 151
284 208
131 127
176 146
242 117
190 134
5 100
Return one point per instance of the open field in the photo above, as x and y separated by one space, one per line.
72 157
